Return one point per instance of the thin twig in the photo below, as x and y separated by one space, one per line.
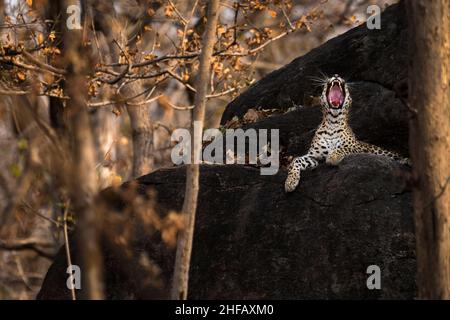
184 21
28 244
13 92
180 108
37 213
286 16
67 247
21 272
183 47
42 65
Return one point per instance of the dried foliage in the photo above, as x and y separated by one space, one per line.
144 55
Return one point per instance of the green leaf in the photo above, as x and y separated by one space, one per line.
16 171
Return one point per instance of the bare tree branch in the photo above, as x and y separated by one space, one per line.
35 245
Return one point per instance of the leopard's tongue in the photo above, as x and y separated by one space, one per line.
335 95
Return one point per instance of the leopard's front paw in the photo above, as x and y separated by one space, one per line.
333 159
292 181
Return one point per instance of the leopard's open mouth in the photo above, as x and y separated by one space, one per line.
335 93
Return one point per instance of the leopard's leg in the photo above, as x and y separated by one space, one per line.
308 161
361 147
337 155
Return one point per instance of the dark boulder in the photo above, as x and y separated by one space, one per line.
253 241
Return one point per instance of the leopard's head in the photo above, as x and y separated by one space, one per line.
335 94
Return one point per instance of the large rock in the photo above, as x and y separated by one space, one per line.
254 241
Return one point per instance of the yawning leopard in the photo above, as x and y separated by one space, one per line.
334 139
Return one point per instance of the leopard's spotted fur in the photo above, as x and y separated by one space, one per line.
334 139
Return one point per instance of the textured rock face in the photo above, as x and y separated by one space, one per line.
254 241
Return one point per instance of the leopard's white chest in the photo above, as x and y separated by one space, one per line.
334 143
333 131
329 141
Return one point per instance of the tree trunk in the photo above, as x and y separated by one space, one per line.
51 11
83 181
140 121
2 10
184 247
429 32
142 134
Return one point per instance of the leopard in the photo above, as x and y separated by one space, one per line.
333 139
